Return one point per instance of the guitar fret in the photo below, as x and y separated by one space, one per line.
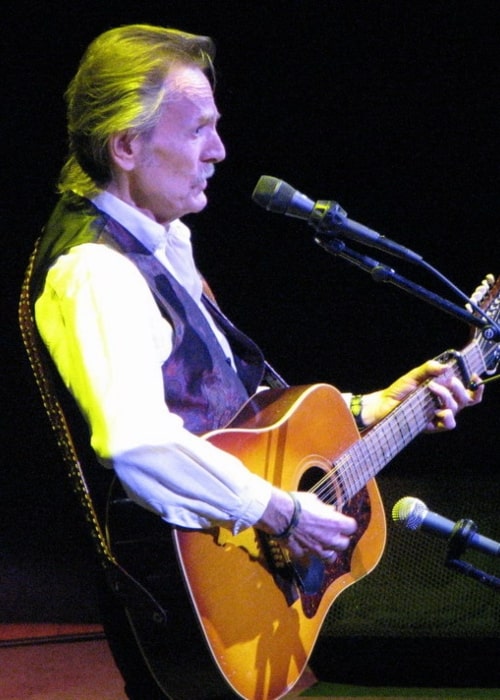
345 478
368 455
474 359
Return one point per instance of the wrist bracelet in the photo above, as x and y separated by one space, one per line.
294 520
356 407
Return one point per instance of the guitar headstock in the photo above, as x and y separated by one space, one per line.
486 296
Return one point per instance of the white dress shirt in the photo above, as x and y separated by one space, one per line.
100 322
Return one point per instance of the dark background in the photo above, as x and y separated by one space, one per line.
391 108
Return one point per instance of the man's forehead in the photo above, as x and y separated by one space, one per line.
190 82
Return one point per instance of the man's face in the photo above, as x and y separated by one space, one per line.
174 162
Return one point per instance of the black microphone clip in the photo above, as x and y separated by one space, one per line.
326 216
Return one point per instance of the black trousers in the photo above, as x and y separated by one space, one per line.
138 678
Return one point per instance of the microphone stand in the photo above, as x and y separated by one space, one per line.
456 547
382 273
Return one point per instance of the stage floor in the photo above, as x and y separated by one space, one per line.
47 662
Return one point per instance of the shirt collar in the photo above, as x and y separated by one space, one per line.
171 246
151 234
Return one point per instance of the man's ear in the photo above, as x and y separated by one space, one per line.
123 148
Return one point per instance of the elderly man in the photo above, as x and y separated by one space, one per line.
124 312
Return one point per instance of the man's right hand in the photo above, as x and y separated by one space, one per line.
320 529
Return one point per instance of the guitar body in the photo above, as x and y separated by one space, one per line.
260 615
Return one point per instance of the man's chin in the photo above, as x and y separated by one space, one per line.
199 202
196 203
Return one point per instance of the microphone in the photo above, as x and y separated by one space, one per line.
414 515
327 217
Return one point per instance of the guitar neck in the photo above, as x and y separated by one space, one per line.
371 453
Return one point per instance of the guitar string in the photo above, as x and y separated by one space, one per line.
344 480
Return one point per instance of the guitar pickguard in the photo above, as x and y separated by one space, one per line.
315 581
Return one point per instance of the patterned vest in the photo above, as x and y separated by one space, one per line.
200 385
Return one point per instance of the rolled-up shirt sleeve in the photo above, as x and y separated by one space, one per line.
109 340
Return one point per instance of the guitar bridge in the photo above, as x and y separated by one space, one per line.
280 567
292 578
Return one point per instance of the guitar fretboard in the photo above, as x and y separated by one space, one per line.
371 453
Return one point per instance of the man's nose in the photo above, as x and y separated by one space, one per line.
216 150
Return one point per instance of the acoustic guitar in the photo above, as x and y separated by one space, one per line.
260 612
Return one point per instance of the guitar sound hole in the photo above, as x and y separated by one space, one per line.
310 478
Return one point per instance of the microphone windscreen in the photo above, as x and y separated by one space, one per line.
273 194
410 512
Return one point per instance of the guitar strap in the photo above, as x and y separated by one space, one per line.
79 461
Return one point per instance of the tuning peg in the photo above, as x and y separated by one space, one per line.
481 290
